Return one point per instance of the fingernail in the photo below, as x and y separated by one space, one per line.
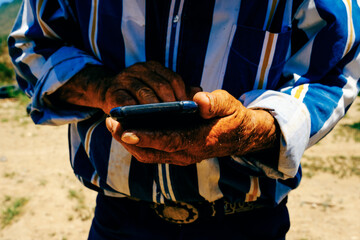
130 138
109 124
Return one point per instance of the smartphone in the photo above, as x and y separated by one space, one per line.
157 115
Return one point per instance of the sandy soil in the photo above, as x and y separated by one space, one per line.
34 166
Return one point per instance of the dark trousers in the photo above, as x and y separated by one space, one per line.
121 218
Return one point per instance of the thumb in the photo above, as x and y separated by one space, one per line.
218 103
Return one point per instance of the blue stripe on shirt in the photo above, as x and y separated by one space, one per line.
141 179
111 42
231 174
157 13
194 37
99 149
184 182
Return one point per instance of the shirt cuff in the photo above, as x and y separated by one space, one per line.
294 121
58 69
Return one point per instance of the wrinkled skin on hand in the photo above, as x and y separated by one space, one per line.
230 129
141 83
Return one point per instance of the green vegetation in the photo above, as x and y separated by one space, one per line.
84 213
341 166
8 13
6 72
12 209
355 128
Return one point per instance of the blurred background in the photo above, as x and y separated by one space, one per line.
41 199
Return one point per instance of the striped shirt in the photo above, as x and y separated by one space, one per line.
301 59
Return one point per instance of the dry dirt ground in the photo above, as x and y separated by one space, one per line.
40 198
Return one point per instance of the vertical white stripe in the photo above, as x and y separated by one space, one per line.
154 193
263 51
161 180
75 142
351 32
271 58
88 136
262 58
168 36
269 14
47 31
93 28
133 30
119 168
220 40
176 44
287 19
95 179
254 191
308 17
162 199
168 181
28 56
208 172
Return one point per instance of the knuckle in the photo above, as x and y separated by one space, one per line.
144 92
176 79
119 97
161 85
153 64
138 67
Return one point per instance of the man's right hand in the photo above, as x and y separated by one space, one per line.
141 83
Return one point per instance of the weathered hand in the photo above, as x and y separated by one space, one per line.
229 129
147 82
142 83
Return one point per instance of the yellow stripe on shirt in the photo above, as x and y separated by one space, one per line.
298 91
351 34
271 14
269 47
93 28
48 32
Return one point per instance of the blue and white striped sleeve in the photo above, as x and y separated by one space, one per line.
324 74
44 60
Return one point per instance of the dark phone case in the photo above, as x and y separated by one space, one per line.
157 115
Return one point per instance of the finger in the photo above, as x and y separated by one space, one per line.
148 155
192 91
116 98
142 92
219 103
159 85
173 78
166 141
